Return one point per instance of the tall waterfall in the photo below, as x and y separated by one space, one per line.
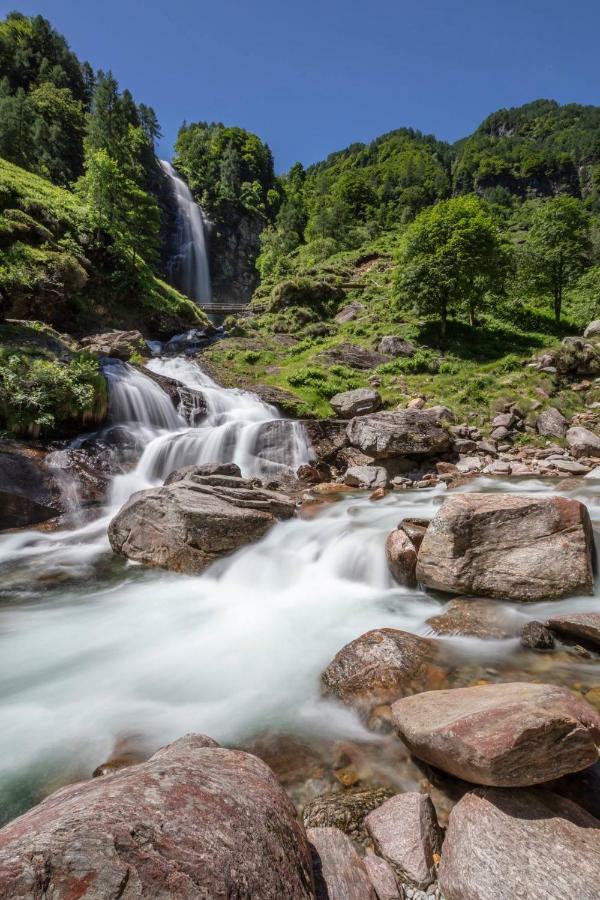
189 270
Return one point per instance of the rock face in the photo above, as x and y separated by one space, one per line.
380 666
28 492
583 442
581 627
406 833
401 555
356 403
408 432
118 344
194 520
504 735
392 345
508 547
339 872
501 845
326 436
194 821
551 423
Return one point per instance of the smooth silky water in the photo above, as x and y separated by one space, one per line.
94 650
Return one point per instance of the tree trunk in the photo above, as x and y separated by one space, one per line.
557 304
443 325
472 319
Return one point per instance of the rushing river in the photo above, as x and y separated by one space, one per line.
94 650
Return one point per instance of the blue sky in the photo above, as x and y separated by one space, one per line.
312 77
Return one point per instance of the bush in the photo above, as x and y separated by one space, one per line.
423 362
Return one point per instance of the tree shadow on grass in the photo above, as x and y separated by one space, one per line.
485 342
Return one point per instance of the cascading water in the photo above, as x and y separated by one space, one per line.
135 399
188 269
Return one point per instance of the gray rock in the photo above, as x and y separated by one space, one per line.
509 547
536 636
327 437
551 423
370 477
530 844
381 666
356 403
570 467
352 355
409 432
383 878
504 735
406 833
194 821
583 442
500 434
401 555
339 872
350 313
593 329
29 492
470 464
504 420
582 627
392 345
188 524
117 344
486 619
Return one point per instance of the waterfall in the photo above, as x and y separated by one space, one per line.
188 269
136 399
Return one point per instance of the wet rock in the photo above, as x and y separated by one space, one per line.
415 529
580 627
504 735
508 547
117 344
194 821
205 470
409 432
501 845
359 402
370 477
583 442
381 666
326 437
189 523
551 423
345 810
29 493
383 878
401 555
339 872
352 355
406 833
392 345
593 329
536 636
475 617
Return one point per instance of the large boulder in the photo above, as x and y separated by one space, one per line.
352 355
339 872
29 493
501 845
193 520
406 833
584 628
551 423
505 735
406 432
381 666
401 555
393 345
370 477
327 437
508 546
583 442
576 356
359 402
117 344
593 329
194 821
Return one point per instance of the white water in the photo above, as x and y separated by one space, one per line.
232 653
189 270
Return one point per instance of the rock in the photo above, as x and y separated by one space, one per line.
581 627
509 547
498 467
500 434
345 810
286 402
192 521
593 329
474 617
366 477
313 474
536 636
576 356
505 735
569 466
415 529
229 470
504 420
551 423
409 432
29 493
416 403
401 555
117 344
352 355
349 313
339 872
465 446
380 666
383 878
327 437
356 403
392 345
503 845
406 833
583 442
194 821
470 464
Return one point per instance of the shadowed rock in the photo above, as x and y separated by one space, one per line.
339 872
582 627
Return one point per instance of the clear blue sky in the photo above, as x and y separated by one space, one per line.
312 77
